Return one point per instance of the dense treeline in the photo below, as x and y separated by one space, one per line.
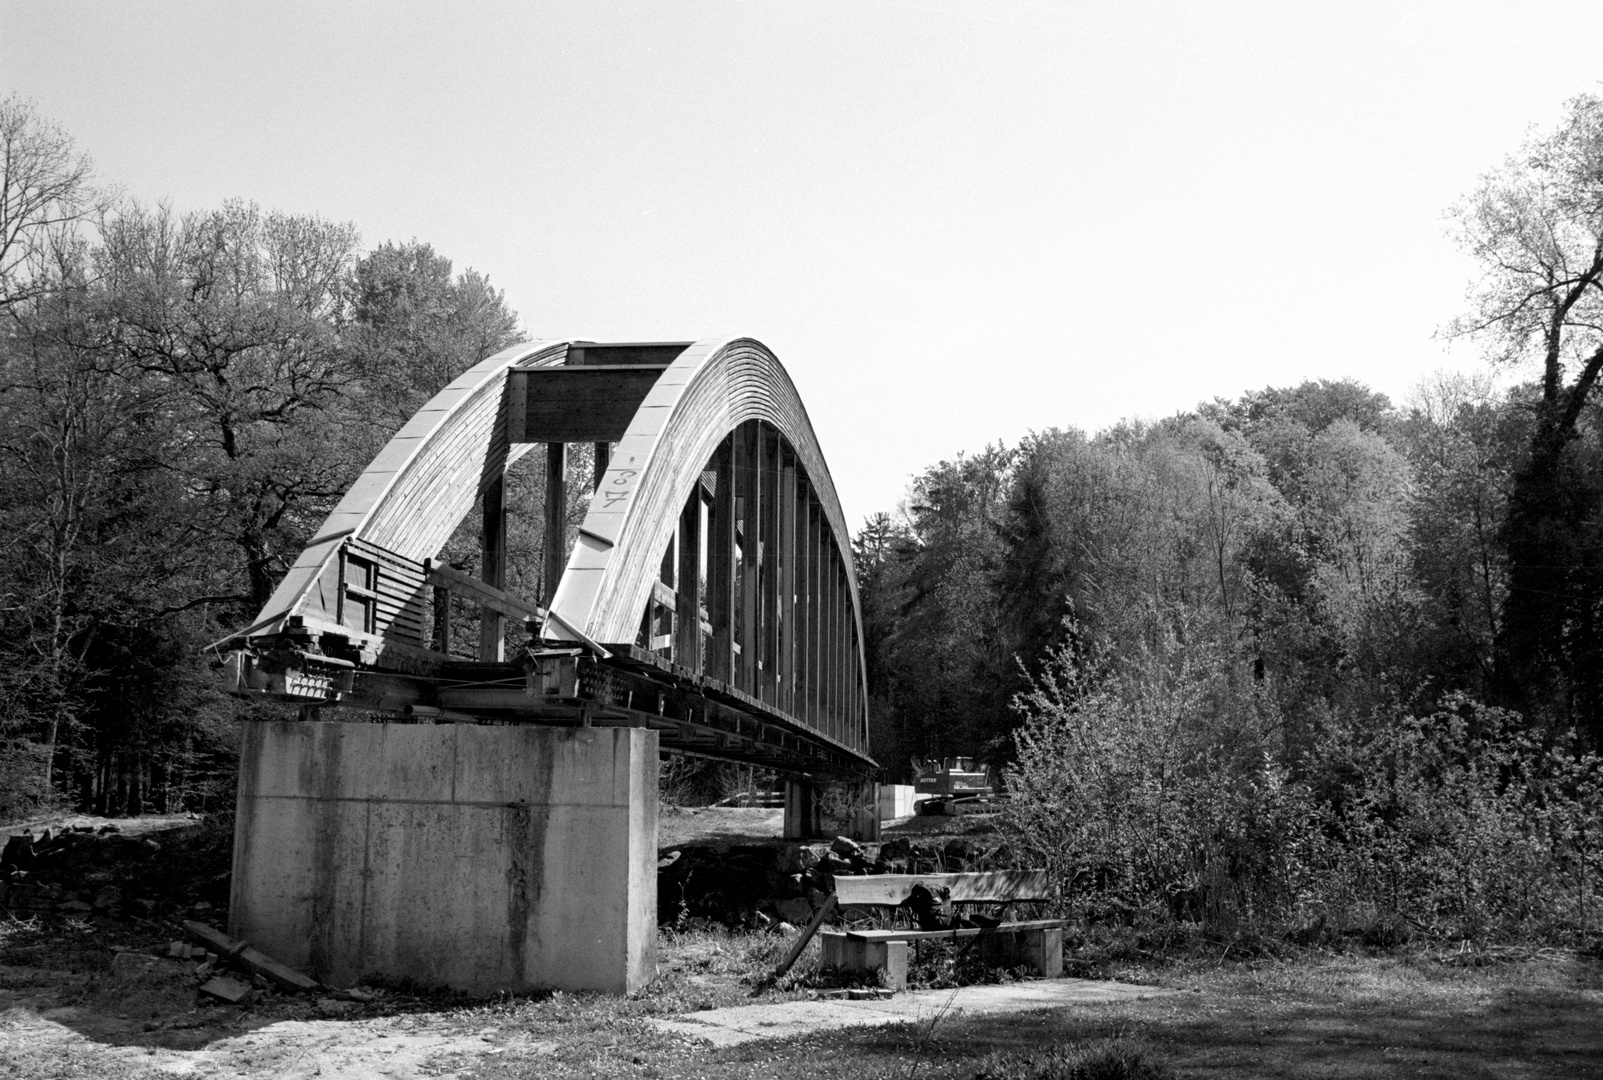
1306 657
183 397
1346 554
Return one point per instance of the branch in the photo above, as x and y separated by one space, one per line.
1578 393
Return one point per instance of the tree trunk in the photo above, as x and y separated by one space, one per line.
1545 648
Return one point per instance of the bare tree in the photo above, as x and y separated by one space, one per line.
48 187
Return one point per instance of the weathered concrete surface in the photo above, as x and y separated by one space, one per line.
477 857
825 808
744 1023
896 801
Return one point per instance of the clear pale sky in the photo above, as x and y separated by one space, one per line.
954 221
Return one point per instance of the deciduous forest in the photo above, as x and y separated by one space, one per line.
1303 657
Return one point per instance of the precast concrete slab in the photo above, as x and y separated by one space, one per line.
481 858
783 1020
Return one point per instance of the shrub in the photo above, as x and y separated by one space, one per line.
1152 790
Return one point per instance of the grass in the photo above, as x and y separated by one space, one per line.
1309 1016
1118 1057
1301 1014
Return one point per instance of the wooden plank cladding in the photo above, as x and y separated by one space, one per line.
382 593
577 404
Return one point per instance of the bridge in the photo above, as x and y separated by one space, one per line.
468 814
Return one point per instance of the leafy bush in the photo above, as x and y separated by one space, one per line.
1151 790
1458 825
1154 790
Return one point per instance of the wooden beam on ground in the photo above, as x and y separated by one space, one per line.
260 963
1002 886
824 911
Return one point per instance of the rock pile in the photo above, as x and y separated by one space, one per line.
82 871
758 886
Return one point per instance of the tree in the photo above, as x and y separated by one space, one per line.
94 526
1535 224
45 189
237 314
936 666
415 327
1462 441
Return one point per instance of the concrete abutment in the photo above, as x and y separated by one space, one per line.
482 858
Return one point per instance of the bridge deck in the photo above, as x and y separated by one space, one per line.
692 713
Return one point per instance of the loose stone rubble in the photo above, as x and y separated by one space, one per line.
80 872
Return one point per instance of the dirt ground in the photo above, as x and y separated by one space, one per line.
678 825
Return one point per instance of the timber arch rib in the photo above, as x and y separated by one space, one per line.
710 595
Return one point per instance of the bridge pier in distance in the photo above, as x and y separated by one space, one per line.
827 808
476 857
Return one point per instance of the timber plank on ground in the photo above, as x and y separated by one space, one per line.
254 959
893 890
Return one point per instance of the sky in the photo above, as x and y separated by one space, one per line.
955 222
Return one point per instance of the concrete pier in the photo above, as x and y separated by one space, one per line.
481 858
824 808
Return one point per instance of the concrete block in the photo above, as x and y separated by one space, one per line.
888 959
479 858
1041 951
895 801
